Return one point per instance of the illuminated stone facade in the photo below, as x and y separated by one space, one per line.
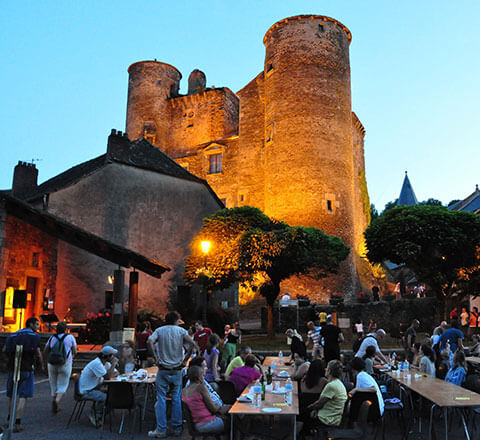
287 143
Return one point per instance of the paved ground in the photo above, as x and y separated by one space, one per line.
40 424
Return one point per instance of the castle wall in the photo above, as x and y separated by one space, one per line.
150 213
200 118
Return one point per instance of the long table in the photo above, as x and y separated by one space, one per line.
272 400
443 394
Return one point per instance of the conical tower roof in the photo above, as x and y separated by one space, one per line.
407 195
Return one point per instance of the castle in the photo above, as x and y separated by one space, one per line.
287 143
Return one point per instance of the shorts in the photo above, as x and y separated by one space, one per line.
25 384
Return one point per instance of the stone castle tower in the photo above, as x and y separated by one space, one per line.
287 143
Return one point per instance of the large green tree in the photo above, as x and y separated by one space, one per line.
439 245
247 243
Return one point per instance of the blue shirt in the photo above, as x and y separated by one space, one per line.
456 376
29 339
452 335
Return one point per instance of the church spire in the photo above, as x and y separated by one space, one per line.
407 195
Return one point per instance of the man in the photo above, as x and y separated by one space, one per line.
201 336
238 361
29 338
364 382
441 328
332 336
322 318
313 336
242 376
92 377
285 300
472 321
373 339
375 292
171 340
452 337
410 337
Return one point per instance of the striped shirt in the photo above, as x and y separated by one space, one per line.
314 336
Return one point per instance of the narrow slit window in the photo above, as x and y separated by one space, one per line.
329 206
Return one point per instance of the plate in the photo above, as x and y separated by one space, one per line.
271 410
245 399
279 391
283 374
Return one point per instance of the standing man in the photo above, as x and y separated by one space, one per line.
171 340
410 336
473 319
332 336
29 338
201 336
373 339
313 336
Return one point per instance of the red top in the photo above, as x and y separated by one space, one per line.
200 412
201 338
142 340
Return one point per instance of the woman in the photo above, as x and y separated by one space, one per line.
457 373
241 377
59 371
369 358
204 411
232 338
141 341
294 339
300 367
314 381
417 355
211 356
427 364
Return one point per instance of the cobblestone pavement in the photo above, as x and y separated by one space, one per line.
40 424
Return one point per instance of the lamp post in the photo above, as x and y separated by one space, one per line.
205 246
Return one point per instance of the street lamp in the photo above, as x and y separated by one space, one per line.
205 246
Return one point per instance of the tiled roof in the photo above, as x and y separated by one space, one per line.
407 195
470 204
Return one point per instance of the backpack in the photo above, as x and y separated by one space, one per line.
57 354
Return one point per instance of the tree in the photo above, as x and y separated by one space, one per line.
373 212
437 244
248 243
390 205
432 202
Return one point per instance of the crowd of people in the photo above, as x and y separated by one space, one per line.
192 362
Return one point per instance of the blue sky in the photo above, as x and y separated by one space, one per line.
415 66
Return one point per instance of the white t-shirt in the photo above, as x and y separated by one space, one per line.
92 375
369 340
364 380
69 342
169 340
359 327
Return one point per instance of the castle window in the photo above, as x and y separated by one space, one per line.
149 131
269 132
35 259
329 206
241 198
321 28
215 163
269 69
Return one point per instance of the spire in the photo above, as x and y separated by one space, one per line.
407 195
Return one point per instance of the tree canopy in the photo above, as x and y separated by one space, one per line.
246 242
437 244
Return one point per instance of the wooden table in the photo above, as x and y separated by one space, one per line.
443 394
280 363
271 401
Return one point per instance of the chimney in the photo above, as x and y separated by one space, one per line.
24 179
118 146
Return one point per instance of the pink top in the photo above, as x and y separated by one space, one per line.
200 412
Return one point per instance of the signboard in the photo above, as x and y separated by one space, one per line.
344 322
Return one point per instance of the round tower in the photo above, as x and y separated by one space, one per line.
308 127
150 84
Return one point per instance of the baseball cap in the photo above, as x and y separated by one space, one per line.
107 350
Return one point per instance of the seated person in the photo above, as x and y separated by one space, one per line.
364 382
443 364
238 361
199 361
475 348
300 366
127 357
242 376
205 413
369 358
417 356
100 368
427 364
329 407
457 373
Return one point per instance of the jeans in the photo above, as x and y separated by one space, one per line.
168 379
215 426
99 398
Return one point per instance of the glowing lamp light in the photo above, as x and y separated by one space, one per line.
205 245
110 279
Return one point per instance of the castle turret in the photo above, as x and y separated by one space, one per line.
24 179
309 175
150 85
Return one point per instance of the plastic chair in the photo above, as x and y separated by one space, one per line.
226 391
187 415
360 429
120 395
80 401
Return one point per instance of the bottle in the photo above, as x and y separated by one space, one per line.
407 365
288 392
269 376
257 395
274 368
262 383
280 356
